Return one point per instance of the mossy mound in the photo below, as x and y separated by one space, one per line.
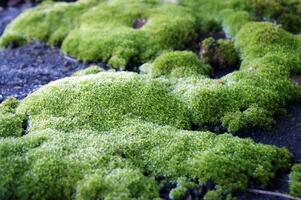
123 163
283 12
103 136
94 69
103 30
179 64
251 96
11 124
103 101
114 135
295 181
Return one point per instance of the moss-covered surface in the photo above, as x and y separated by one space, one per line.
112 134
252 95
179 64
93 30
105 136
295 181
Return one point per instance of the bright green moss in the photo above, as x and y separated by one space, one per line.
123 163
283 12
94 69
103 101
295 181
179 64
93 31
251 96
11 124
232 21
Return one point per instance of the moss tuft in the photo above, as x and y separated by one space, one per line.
100 30
123 162
11 124
179 64
295 181
94 69
109 98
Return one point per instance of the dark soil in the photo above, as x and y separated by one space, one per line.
25 69
9 13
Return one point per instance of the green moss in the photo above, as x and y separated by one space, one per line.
93 31
269 56
233 21
295 181
94 69
110 135
108 98
123 163
219 53
285 12
180 192
179 64
11 124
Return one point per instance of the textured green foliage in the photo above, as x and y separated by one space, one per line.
110 135
123 163
219 53
233 21
94 69
179 64
100 30
11 124
295 181
284 12
103 101
257 92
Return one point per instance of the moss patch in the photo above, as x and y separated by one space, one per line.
179 64
100 30
111 134
295 181
123 163
11 124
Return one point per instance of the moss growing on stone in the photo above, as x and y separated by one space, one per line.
100 30
179 64
295 181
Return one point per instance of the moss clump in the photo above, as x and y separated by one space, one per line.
11 124
295 181
101 30
122 163
233 21
94 69
258 91
179 64
109 98
219 53
285 12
